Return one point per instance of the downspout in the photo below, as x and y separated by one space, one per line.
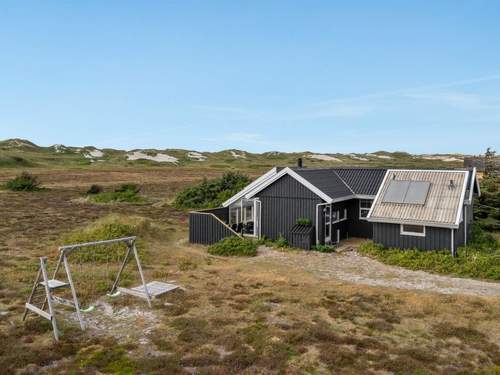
465 225
452 243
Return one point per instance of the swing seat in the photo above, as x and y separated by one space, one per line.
55 284
155 289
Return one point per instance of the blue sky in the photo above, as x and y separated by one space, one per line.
326 76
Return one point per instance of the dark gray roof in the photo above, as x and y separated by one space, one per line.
342 182
363 181
325 180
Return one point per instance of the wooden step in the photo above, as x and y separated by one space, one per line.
38 311
55 284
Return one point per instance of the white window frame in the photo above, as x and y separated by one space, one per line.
415 234
364 209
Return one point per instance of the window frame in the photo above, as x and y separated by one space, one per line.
402 232
361 209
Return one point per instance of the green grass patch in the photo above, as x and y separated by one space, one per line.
110 360
324 248
24 182
126 193
211 193
234 246
474 261
107 228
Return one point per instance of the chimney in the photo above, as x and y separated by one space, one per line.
299 162
452 184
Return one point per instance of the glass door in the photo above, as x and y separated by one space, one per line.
328 224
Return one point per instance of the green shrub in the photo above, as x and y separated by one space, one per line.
470 261
211 193
128 193
128 188
304 221
95 189
281 241
24 182
324 248
107 228
234 246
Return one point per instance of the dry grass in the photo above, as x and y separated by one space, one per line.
236 315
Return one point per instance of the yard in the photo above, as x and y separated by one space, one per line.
279 312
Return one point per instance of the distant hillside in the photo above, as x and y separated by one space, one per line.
23 153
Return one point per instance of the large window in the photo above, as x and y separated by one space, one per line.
364 208
412 230
244 217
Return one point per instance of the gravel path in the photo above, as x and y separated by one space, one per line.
352 267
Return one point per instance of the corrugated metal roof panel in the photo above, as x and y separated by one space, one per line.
363 181
442 203
326 181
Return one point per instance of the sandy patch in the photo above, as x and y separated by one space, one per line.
238 156
196 156
324 157
93 154
161 158
355 157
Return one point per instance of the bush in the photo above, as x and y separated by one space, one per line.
107 228
234 246
281 241
95 189
128 193
470 262
24 182
128 188
324 248
211 193
304 221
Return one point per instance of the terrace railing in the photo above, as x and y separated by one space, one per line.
206 227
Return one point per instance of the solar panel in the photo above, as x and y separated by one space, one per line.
417 192
396 191
407 192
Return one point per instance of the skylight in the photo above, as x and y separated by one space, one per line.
406 192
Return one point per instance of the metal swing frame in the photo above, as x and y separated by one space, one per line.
53 283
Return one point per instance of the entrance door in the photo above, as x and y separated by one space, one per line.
328 224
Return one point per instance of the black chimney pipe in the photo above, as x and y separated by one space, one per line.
299 162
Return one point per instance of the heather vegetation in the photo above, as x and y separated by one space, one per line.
480 259
211 193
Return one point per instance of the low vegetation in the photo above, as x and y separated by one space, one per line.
126 193
487 206
324 248
481 259
24 182
234 246
211 193
304 221
107 228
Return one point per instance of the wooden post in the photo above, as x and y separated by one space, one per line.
142 275
73 292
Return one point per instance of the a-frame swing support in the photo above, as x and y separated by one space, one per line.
53 283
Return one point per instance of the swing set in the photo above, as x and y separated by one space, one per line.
41 295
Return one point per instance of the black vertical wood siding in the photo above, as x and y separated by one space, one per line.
358 227
206 229
283 203
389 236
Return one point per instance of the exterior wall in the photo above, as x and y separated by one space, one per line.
205 229
282 203
389 236
356 227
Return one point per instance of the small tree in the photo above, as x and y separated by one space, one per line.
490 165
